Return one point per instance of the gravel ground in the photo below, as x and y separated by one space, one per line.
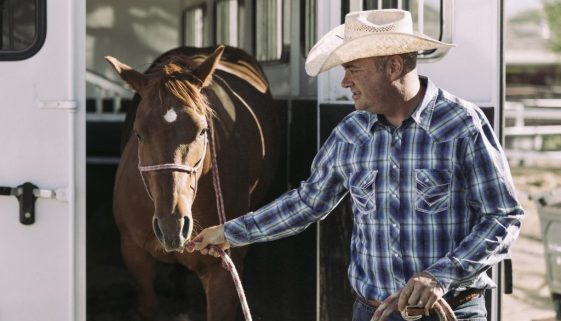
531 299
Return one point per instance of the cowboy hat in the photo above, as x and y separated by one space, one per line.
368 34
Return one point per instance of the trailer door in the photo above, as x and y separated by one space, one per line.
42 160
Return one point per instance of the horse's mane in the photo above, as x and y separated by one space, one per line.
164 72
168 74
172 75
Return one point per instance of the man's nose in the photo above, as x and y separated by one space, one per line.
346 82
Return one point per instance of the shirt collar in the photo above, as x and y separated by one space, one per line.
423 112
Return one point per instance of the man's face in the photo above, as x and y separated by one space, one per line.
368 84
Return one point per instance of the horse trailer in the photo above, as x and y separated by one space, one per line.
61 130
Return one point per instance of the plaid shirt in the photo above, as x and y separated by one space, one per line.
433 195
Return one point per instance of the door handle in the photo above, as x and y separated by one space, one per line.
27 194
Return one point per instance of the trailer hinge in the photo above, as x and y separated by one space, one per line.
26 194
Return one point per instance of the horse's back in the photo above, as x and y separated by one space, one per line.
251 124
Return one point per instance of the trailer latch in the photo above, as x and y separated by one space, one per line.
26 194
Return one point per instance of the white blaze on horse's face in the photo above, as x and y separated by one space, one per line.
171 115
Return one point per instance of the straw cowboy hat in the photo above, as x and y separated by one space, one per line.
368 34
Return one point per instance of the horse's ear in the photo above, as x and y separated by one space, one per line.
205 70
134 78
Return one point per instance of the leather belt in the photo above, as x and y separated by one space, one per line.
454 302
463 297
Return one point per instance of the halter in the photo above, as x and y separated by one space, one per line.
172 167
227 262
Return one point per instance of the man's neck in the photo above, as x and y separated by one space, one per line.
410 93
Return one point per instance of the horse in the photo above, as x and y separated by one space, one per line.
196 110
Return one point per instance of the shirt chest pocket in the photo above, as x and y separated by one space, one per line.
432 190
362 186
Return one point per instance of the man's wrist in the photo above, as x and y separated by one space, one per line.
434 278
231 229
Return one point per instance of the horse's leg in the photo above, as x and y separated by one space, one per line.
143 268
221 298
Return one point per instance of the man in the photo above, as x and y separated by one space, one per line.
433 201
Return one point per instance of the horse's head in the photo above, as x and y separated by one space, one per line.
171 126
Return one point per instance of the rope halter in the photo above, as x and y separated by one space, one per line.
172 167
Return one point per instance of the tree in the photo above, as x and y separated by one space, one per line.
552 10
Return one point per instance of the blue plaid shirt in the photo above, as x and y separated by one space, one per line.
433 195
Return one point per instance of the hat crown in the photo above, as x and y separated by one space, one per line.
366 34
358 24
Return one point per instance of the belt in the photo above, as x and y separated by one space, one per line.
453 302
463 297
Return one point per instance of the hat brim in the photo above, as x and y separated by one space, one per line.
332 50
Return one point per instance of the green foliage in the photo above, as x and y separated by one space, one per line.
551 142
552 10
528 16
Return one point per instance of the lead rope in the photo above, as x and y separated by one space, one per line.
227 262
229 265
216 176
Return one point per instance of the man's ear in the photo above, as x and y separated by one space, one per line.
205 70
134 78
395 67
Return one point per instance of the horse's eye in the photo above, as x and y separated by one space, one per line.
137 134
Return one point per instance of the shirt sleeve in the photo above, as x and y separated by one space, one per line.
491 194
295 210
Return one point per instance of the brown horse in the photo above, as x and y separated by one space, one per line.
164 188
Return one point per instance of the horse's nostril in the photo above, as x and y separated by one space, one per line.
157 229
185 228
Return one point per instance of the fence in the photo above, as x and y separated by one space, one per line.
533 132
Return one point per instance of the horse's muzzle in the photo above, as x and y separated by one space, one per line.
172 232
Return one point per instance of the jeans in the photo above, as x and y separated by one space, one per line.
473 310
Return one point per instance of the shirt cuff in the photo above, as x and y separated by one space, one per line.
236 232
443 271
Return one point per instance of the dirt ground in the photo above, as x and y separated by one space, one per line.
531 298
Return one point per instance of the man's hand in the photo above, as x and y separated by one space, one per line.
213 235
422 290
388 306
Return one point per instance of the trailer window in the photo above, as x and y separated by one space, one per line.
22 28
193 27
309 21
226 22
270 38
242 25
426 14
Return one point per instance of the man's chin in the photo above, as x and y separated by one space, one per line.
359 106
